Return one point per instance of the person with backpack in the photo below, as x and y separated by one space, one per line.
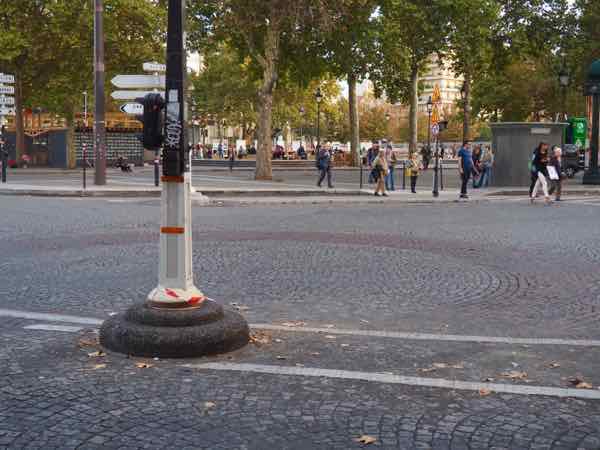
324 161
379 172
539 166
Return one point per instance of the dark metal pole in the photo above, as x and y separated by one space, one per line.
442 174
99 120
83 141
592 176
361 172
4 154
403 174
318 123
436 192
156 174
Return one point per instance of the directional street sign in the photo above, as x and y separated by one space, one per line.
6 111
6 78
154 67
7 101
132 108
7 90
132 95
138 81
435 129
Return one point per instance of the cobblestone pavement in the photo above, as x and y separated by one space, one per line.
503 269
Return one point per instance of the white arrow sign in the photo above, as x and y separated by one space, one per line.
7 90
154 67
132 108
7 101
6 78
132 95
7 111
138 81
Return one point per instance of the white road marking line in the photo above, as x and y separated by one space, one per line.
340 331
400 379
47 327
49 317
433 337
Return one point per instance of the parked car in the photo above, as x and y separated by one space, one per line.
572 160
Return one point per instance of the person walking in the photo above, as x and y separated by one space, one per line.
220 151
465 167
324 161
231 158
390 158
477 172
557 178
413 167
380 171
371 155
487 163
539 165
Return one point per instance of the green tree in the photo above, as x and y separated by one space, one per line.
411 31
274 34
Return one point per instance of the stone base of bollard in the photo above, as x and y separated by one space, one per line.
144 330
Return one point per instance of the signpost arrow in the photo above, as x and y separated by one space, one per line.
6 78
7 101
154 67
7 90
138 81
7 111
132 95
132 108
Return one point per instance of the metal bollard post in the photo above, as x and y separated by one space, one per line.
84 162
361 174
156 177
403 174
442 174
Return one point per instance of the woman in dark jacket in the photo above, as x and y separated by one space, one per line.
539 166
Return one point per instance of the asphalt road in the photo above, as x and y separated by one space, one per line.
455 326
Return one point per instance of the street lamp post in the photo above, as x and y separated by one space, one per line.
318 98
83 141
301 124
564 80
99 120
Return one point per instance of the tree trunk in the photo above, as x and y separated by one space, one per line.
269 62
467 109
414 110
20 128
354 120
71 149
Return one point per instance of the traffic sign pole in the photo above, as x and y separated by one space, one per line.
177 320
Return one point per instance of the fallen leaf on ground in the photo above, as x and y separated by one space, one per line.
329 336
483 392
278 340
366 439
260 338
98 366
98 354
293 324
514 375
584 385
142 365
553 365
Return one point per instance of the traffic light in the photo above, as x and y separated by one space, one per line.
153 121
